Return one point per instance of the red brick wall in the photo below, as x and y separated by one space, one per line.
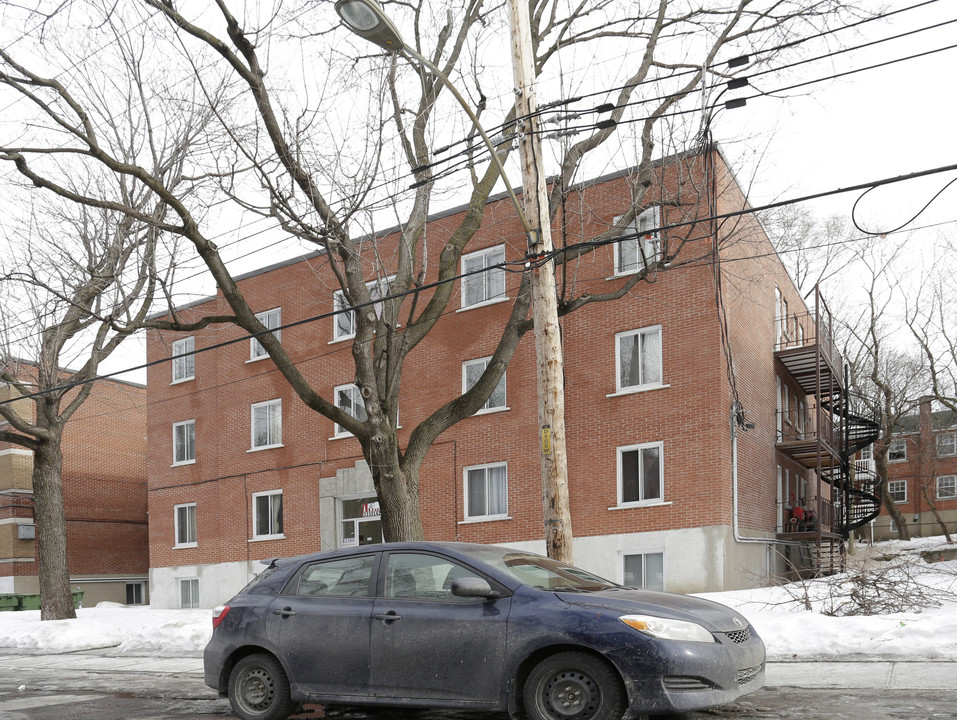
104 484
690 415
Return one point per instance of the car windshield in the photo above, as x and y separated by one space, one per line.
542 572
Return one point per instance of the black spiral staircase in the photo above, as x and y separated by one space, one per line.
856 484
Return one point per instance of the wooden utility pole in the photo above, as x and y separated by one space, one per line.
548 346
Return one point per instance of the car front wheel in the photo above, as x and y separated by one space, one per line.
574 686
259 689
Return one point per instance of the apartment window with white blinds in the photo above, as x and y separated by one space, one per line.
486 491
267 515
184 362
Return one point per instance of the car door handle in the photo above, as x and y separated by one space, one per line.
285 612
389 616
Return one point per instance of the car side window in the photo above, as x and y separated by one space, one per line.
343 577
415 576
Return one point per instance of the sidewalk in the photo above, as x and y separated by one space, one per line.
857 673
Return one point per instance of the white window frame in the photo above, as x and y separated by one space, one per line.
890 492
950 443
902 443
377 289
273 420
272 534
470 513
188 428
642 501
488 407
184 361
947 490
643 385
644 568
646 242
192 528
193 584
272 320
488 279
357 401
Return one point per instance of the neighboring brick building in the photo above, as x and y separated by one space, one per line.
104 487
922 473
663 493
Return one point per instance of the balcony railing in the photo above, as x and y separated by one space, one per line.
813 514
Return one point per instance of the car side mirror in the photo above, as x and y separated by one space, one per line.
473 587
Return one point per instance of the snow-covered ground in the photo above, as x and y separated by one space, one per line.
780 615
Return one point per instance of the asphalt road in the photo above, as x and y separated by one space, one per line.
36 694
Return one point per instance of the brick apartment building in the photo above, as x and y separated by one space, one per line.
104 488
666 490
922 473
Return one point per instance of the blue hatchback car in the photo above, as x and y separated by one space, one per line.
454 625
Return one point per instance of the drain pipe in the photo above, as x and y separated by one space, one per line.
735 410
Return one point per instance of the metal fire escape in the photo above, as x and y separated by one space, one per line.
846 493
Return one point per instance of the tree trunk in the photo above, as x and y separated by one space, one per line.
891 506
56 601
397 488
937 515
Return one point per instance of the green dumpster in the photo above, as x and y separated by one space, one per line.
77 599
29 602
9 602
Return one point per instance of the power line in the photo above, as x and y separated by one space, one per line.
516 266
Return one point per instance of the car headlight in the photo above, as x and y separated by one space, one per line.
668 629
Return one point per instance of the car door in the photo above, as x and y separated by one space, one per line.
320 624
428 643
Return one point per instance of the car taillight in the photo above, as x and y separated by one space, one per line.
219 614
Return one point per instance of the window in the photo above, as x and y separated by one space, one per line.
867 453
471 372
947 487
345 319
897 489
897 451
267 424
415 576
483 287
267 515
486 491
184 442
271 319
189 593
638 362
645 571
349 400
347 577
185 521
643 249
946 445
135 593
640 474
184 362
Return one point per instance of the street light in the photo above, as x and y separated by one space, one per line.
366 19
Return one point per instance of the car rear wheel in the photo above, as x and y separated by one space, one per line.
259 689
574 686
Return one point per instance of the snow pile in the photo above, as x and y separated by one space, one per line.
811 620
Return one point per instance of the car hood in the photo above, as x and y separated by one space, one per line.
711 615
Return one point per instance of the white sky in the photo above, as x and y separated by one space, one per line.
788 631
868 126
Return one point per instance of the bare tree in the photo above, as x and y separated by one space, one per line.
816 251
887 376
285 150
79 278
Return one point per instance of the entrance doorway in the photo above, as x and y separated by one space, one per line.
361 522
